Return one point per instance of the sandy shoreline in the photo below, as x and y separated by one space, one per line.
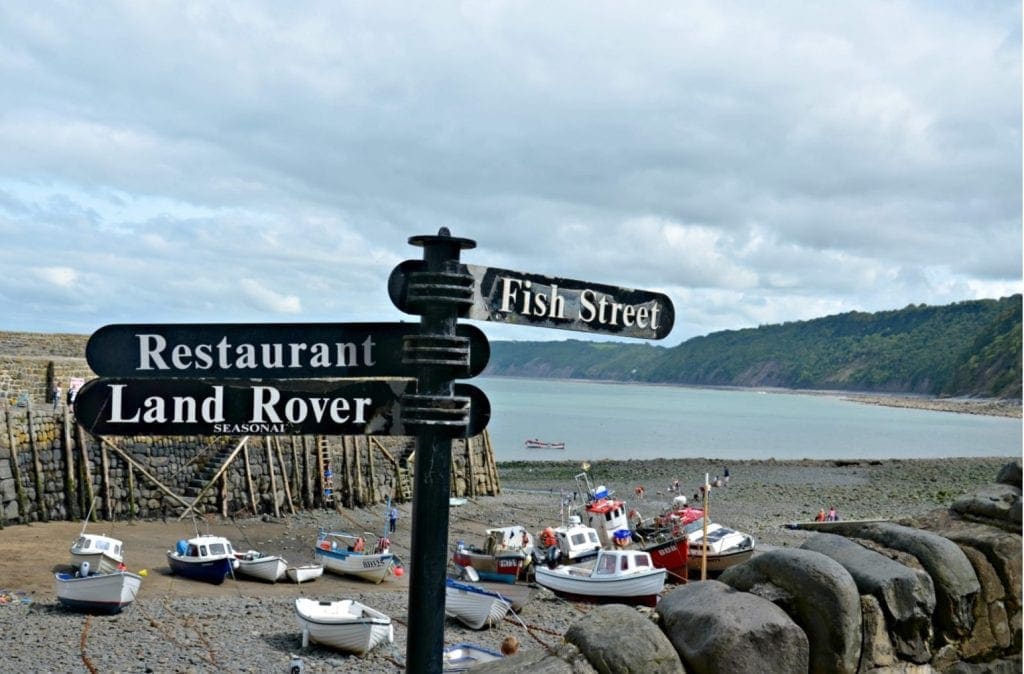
180 625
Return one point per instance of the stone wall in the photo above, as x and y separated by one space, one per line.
52 469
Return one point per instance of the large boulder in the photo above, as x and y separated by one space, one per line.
907 596
997 504
1011 474
618 639
952 574
817 593
717 629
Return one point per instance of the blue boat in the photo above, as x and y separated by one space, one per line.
206 558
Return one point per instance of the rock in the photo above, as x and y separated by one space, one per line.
876 646
617 638
1010 474
997 504
952 574
991 631
907 596
817 593
716 628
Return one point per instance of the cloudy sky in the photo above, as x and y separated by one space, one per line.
759 162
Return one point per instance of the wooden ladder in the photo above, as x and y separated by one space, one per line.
323 454
404 483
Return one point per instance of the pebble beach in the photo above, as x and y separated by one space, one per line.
178 625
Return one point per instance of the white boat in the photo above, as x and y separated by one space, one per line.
304 573
615 576
97 592
367 556
455 502
255 564
474 606
207 558
103 553
725 547
461 657
569 544
344 625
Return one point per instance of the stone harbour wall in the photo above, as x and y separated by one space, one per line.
53 469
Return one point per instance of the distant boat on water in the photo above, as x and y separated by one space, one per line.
541 444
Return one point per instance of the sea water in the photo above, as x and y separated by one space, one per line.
635 421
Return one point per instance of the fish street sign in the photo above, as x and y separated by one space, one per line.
503 296
267 351
121 406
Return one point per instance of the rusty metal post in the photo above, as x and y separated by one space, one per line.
438 294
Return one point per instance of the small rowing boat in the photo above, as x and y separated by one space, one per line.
540 444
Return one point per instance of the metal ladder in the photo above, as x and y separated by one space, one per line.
326 471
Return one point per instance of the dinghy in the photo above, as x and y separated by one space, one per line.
345 625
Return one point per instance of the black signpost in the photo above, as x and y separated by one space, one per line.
355 379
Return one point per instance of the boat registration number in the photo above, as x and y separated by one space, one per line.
372 563
508 563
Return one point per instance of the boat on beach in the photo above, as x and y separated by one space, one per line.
474 606
103 553
367 557
97 592
346 625
615 576
506 554
534 443
255 564
205 558
461 657
304 573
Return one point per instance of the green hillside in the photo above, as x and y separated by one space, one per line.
967 348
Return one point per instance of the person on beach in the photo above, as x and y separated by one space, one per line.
675 486
725 474
820 517
832 515
56 395
393 519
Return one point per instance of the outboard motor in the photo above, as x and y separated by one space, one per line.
84 569
553 555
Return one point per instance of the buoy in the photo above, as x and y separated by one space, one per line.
399 571
143 573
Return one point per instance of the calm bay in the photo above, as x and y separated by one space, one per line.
636 421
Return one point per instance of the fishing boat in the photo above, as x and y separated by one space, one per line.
474 606
534 443
461 657
304 573
568 544
506 554
603 512
724 547
615 576
97 592
367 556
103 553
255 564
206 558
346 625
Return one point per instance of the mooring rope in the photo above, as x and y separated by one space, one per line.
81 646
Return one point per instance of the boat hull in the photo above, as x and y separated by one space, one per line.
718 562
473 606
576 583
461 657
304 573
495 568
345 625
372 567
270 568
97 593
671 555
208 570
